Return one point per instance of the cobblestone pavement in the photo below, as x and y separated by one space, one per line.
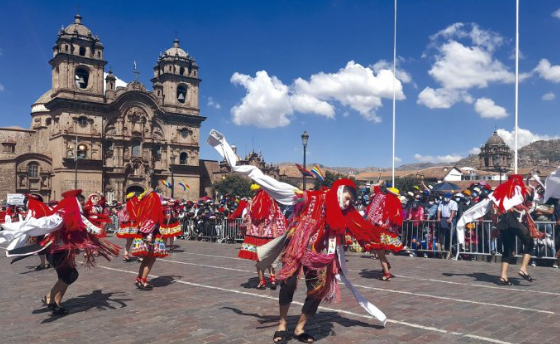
204 294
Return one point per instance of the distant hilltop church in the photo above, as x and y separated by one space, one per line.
495 155
105 137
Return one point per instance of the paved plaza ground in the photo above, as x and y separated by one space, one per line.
204 294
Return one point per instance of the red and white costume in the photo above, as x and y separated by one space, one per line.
150 218
171 226
385 210
128 218
264 221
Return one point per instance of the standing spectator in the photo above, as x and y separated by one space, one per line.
446 215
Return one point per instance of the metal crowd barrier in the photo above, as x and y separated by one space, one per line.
219 230
425 238
482 238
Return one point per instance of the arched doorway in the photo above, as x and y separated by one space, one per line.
134 188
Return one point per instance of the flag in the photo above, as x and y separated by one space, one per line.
304 171
318 173
184 185
165 183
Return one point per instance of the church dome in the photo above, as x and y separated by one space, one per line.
176 50
77 28
39 105
495 140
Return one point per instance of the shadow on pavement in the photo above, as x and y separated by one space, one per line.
164 281
484 277
321 326
83 303
371 274
251 283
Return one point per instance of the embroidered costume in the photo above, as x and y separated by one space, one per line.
264 221
385 210
128 215
149 241
171 226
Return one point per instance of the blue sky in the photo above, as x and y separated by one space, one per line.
272 69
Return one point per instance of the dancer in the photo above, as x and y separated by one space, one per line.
171 226
512 194
148 243
264 221
509 199
36 209
128 223
94 211
316 235
385 210
67 232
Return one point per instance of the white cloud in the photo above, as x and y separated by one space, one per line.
475 151
213 103
464 59
397 159
524 137
547 71
486 108
442 98
556 14
402 75
1 87
447 159
270 103
267 103
549 96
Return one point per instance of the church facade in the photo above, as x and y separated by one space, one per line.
90 133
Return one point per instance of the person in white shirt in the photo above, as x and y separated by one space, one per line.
446 213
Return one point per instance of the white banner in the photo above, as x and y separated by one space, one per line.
15 199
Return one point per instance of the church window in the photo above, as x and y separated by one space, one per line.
65 47
183 158
33 170
82 51
8 148
82 78
184 133
156 152
48 121
136 148
182 70
181 93
82 121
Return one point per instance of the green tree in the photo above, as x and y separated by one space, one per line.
406 183
234 184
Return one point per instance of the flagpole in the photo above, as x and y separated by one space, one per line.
394 90
516 81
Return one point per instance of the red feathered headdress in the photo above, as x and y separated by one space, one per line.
510 193
339 220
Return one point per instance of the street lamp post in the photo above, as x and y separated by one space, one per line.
304 138
76 165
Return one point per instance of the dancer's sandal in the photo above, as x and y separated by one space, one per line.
525 276
144 285
44 300
127 258
504 281
138 282
386 277
261 285
273 282
304 337
40 267
279 337
57 310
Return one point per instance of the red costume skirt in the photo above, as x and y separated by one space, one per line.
142 248
388 241
171 230
127 230
249 247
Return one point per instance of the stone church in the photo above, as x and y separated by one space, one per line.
88 132
495 155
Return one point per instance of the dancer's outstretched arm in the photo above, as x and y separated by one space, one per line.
282 192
